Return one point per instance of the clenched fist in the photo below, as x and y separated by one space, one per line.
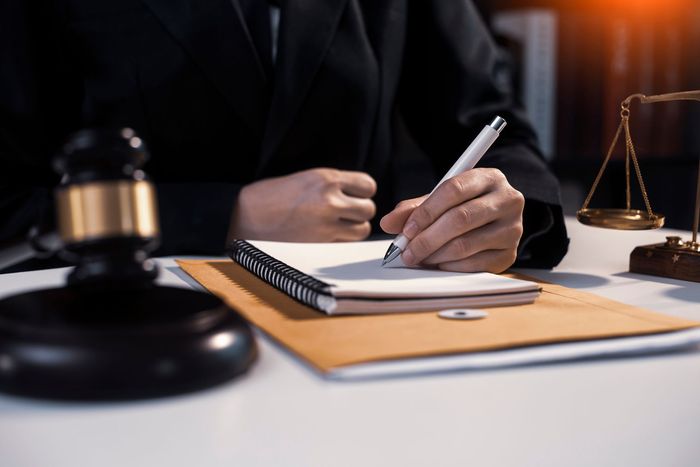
316 205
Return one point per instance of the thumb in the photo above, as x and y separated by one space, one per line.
394 221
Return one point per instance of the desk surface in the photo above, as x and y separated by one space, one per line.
636 411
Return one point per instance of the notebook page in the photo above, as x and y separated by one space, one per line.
354 270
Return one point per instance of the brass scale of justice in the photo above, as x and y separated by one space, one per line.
675 258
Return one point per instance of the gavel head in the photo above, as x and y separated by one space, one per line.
106 209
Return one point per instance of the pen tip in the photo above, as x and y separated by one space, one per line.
392 253
389 252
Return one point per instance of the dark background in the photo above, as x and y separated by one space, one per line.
603 52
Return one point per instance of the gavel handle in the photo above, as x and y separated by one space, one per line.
33 245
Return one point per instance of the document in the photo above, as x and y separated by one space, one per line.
563 324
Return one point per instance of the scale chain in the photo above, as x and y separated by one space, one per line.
604 166
630 147
630 153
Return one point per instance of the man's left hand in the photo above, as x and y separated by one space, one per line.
472 222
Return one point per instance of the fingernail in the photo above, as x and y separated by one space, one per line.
408 258
410 229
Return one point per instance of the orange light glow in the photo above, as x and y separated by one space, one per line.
646 8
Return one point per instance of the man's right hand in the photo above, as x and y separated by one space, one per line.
316 205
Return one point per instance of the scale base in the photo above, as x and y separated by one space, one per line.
83 344
666 261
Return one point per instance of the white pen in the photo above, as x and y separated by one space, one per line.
469 158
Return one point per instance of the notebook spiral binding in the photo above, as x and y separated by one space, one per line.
302 287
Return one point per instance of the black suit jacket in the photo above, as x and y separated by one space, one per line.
396 88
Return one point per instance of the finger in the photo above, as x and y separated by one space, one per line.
452 224
394 221
348 231
495 261
497 235
354 209
357 184
450 193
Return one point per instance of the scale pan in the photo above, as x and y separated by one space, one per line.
620 219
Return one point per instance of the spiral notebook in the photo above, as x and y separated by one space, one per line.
347 278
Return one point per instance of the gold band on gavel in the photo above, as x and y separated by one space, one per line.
122 208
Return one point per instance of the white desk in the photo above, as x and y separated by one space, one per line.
623 412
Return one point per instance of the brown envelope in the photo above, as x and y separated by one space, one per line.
559 314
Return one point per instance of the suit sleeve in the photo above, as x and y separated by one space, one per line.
194 217
454 82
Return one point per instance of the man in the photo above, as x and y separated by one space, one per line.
302 130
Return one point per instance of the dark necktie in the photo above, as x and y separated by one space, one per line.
257 17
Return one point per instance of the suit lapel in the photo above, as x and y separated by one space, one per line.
307 29
215 35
